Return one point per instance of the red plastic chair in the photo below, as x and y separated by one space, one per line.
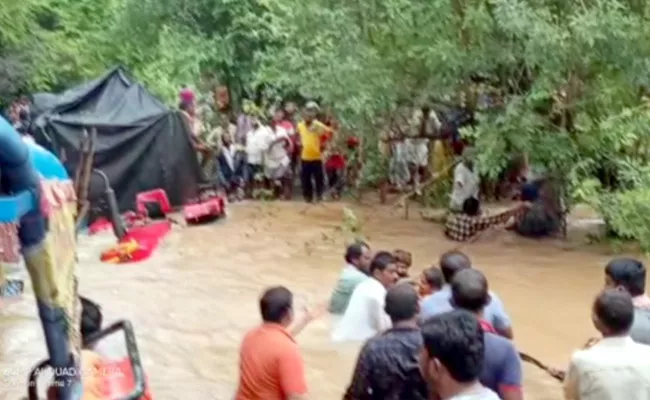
119 381
153 196
214 207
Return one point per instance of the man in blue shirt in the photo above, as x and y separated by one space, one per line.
439 302
501 369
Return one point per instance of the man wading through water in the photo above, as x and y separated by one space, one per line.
451 359
501 364
629 275
270 364
439 302
313 135
614 367
365 315
387 367
356 270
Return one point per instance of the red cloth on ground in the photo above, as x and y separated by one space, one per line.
148 238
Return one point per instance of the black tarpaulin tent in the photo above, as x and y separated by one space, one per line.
141 144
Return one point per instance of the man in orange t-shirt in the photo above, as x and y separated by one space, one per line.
270 365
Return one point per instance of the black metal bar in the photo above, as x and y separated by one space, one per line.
114 212
32 381
132 349
133 354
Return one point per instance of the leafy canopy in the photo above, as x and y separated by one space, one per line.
571 74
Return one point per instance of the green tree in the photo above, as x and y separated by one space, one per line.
570 75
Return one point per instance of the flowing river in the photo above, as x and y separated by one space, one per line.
194 299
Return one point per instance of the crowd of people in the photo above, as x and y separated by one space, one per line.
267 149
445 335
262 150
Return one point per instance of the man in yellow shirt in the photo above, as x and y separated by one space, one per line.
313 135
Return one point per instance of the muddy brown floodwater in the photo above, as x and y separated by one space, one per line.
194 299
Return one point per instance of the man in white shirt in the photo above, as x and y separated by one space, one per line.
357 260
466 182
365 316
424 125
277 161
257 142
616 367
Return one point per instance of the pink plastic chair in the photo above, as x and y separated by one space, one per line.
214 207
152 196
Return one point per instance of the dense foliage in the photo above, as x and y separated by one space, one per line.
569 75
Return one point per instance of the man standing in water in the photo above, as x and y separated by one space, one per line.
629 275
439 302
451 359
501 365
357 259
388 363
270 365
615 368
312 132
365 316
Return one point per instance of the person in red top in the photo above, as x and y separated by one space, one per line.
335 168
270 364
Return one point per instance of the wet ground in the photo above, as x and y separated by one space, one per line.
194 299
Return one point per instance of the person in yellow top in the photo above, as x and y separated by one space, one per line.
313 137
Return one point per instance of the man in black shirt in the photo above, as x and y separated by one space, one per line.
387 368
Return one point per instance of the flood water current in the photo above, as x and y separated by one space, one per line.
192 302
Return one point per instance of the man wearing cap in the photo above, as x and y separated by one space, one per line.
313 135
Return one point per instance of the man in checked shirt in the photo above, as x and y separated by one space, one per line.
387 368
466 225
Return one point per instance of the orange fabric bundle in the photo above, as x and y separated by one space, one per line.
121 253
